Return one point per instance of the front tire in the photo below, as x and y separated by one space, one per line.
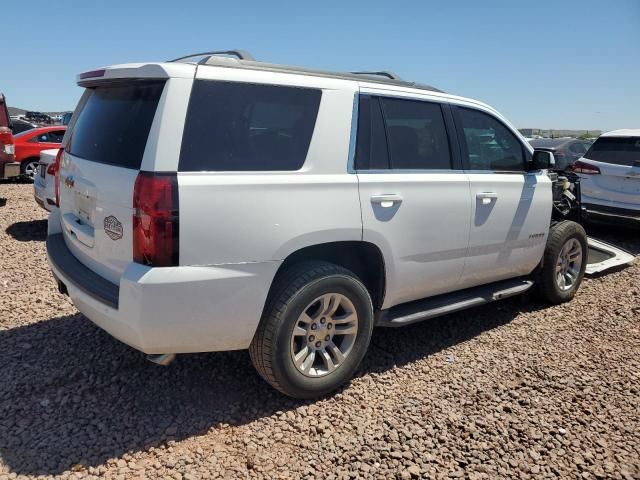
564 262
314 331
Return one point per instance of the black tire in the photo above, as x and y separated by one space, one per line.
547 279
25 163
291 293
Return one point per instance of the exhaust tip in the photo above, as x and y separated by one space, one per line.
163 359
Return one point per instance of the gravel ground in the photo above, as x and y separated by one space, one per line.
513 389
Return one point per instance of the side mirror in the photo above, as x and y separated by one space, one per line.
542 160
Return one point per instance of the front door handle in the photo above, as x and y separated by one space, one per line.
486 197
386 200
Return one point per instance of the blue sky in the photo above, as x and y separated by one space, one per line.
549 64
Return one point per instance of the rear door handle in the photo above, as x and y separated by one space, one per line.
486 197
386 200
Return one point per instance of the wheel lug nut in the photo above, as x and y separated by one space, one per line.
323 320
311 338
314 326
326 339
318 344
329 326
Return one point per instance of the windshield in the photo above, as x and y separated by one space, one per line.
616 150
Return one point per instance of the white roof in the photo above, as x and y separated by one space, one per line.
625 132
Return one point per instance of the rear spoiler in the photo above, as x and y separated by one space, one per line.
135 71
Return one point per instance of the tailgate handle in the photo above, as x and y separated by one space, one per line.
81 231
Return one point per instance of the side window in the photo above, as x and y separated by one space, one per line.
371 148
56 136
487 143
416 134
235 126
577 147
401 134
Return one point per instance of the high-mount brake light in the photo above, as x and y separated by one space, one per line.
54 169
587 169
92 74
155 219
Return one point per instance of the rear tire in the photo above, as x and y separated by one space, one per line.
314 331
29 167
564 262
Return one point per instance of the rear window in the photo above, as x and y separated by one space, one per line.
114 124
243 127
617 150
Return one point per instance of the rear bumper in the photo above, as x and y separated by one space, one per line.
9 169
41 198
171 309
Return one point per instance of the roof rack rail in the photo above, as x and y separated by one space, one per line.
240 54
381 73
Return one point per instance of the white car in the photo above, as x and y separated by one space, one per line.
233 204
610 178
44 180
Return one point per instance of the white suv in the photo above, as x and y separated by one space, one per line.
234 204
610 178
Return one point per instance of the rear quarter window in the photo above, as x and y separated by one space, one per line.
113 126
616 150
235 126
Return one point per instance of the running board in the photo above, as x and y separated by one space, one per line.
432 307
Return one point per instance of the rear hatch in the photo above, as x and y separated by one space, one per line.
102 158
618 159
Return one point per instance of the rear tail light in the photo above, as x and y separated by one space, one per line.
155 219
54 169
6 141
582 167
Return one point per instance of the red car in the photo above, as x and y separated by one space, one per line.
29 144
7 165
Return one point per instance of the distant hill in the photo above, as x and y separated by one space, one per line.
16 111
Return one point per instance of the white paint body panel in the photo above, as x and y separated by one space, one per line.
424 237
508 232
179 309
236 217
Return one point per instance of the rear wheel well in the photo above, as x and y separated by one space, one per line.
362 258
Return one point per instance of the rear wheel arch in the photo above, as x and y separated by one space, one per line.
364 259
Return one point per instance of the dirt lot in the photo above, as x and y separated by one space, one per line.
514 389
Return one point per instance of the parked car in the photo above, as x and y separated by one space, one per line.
66 118
29 144
565 150
38 117
8 166
19 126
233 204
610 178
44 181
